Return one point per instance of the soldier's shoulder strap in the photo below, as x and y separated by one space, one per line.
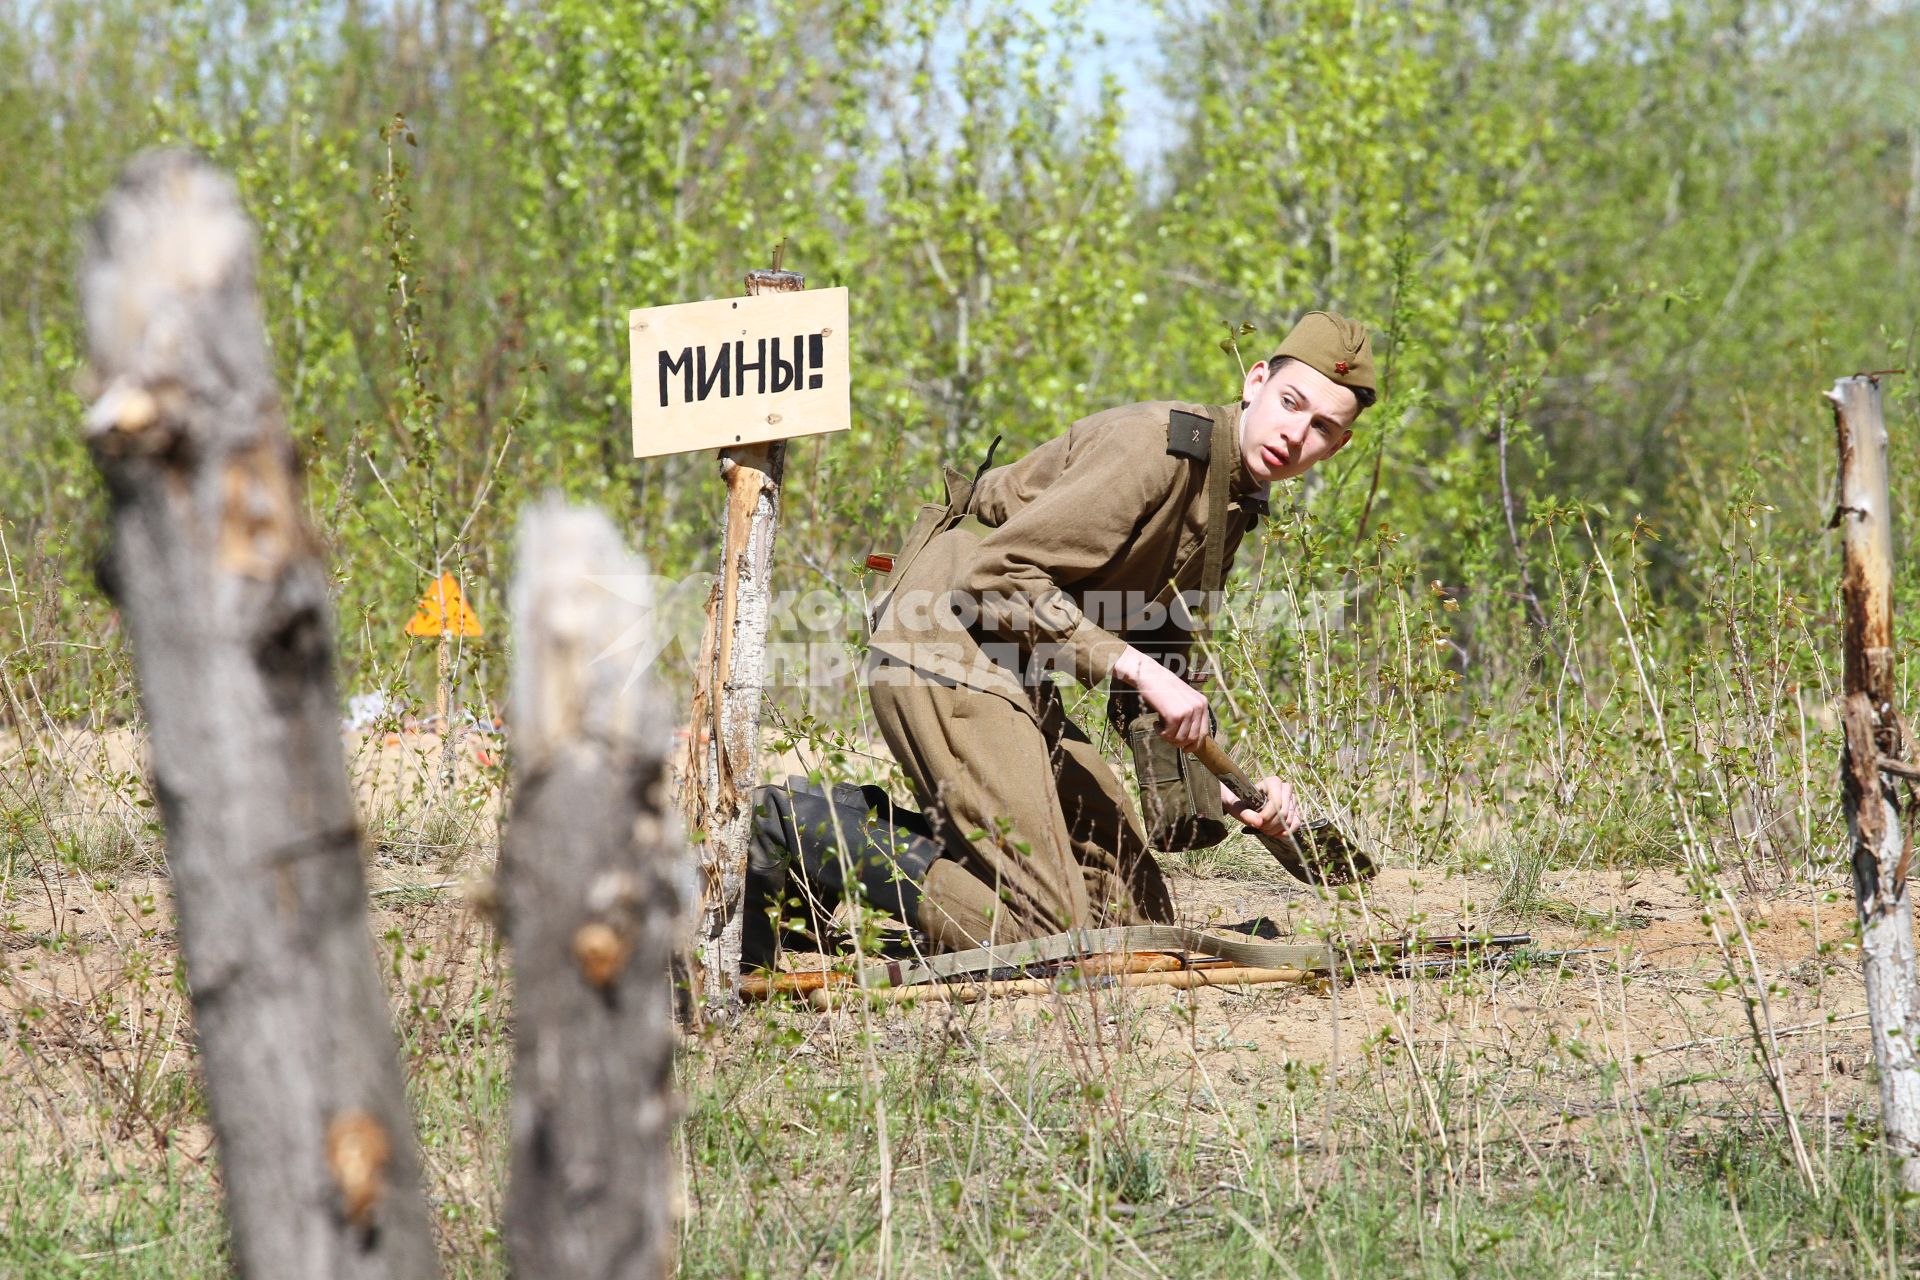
1190 435
1219 480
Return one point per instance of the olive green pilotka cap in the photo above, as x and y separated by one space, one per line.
1337 347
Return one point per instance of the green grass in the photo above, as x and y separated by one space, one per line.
160 1222
1006 1164
1078 1145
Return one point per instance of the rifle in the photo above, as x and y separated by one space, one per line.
983 979
1316 852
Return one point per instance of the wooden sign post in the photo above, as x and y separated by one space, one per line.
744 375
1873 761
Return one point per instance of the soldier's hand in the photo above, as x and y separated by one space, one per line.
1181 706
1279 814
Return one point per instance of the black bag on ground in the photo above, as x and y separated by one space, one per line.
810 842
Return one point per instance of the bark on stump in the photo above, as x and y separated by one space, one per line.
1874 732
590 877
224 598
726 701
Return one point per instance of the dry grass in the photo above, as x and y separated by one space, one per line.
1611 1112
1594 1113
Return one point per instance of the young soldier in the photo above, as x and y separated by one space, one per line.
1070 558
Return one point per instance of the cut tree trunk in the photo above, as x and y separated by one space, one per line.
1873 731
590 876
224 597
726 701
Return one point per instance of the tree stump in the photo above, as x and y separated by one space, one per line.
224 598
591 878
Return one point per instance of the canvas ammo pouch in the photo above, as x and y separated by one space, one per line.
1179 799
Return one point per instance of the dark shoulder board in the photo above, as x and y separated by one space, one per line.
1190 435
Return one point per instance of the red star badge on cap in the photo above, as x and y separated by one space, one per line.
1340 366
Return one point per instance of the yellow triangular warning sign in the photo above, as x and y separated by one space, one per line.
444 611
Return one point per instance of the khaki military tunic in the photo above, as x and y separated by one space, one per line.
1068 556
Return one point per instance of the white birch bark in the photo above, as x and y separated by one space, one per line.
726 728
1873 731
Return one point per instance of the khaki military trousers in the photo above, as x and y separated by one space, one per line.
1039 835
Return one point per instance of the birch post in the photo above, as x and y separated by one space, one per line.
224 597
443 706
1874 733
726 701
590 881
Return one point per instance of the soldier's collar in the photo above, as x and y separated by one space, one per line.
1247 491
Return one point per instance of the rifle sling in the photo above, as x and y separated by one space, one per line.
1219 480
1213 554
1316 957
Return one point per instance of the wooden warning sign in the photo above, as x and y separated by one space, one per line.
444 611
710 375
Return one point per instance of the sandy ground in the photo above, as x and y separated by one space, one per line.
1643 976
1648 986
1646 990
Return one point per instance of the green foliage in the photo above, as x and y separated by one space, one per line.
1562 603
1590 232
1605 286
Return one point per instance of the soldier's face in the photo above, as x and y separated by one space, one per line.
1295 417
